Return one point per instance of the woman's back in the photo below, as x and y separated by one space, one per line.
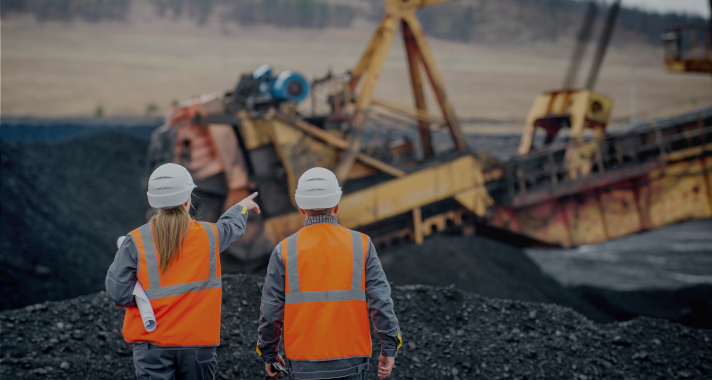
177 262
186 298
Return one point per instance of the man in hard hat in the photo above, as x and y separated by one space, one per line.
322 284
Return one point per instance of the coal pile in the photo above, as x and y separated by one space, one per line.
448 333
62 207
484 266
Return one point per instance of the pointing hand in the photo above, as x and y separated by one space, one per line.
249 204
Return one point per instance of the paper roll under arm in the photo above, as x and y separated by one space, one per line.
142 301
144 307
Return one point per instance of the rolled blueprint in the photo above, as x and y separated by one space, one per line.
144 305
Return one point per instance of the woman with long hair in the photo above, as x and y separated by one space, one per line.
177 262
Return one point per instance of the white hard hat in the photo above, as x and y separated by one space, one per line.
317 189
170 185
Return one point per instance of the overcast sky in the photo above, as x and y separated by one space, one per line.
700 7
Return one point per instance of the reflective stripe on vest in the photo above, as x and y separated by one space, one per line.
297 296
187 298
158 291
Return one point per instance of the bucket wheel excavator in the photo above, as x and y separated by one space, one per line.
573 182
254 139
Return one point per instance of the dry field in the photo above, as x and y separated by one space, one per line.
69 69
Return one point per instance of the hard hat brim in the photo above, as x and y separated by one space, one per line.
170 200
311 203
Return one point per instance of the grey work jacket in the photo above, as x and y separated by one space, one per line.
122 275
380 309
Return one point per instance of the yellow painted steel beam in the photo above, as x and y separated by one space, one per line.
339 143
365 59
377 59
417 114
462 176
414 190
414 60
436 82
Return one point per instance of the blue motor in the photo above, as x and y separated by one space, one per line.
259 91
291 86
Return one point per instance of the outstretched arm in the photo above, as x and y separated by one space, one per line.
231 225
272 309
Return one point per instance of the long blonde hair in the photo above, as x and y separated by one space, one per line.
169 229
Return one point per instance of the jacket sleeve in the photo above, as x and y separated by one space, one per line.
231 226
380 305
121 277
272 308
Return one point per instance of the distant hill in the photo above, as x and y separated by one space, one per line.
476 21
496 21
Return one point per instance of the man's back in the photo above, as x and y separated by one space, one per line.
324 282
325 313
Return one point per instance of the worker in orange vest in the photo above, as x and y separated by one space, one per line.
177 261
322 284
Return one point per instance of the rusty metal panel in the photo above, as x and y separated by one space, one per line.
506 218
545 221
585 219
619 206
676 193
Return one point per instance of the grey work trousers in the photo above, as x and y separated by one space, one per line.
157 363
359 376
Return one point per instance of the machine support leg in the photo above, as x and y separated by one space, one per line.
436 82
414 61
418 226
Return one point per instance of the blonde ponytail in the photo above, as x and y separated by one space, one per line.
169 229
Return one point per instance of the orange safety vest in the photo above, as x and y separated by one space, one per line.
187 298
325 313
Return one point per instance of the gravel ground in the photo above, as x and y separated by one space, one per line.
448 333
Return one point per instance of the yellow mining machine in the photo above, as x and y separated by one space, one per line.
253 139
580 184
578 188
